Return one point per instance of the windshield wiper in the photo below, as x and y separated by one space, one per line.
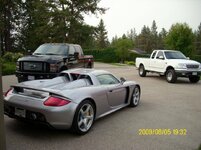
50 54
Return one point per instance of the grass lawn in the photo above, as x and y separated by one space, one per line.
8 68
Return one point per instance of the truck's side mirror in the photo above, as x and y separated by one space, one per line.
76 55
161 57
29 52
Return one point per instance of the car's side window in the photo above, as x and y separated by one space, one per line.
160 55
71 50
153 55
105 79
78 49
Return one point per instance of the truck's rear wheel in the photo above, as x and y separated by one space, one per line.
171 76
194 79
142 71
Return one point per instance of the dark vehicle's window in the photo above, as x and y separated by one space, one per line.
51 49
107 79
160 53
78 49
174 55
153 55
71 50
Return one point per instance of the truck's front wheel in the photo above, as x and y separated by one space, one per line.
142 71
171 76
194 79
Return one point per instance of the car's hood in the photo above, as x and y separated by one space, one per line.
183 61
42 58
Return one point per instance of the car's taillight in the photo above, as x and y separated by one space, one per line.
56 101
8 92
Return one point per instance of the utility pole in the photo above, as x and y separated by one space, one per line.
2 126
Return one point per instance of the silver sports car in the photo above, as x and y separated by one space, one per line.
74 99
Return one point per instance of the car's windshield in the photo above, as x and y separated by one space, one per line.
174 55
52 49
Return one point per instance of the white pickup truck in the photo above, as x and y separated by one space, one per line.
170 63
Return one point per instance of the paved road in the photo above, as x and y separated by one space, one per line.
163 106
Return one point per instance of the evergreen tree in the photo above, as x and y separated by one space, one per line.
154 36
198 40
101 35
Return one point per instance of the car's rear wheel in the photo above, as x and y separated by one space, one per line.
84 117
142 71
194 79
135 99
171 76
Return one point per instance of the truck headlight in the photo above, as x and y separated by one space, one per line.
17 65
181 66
53 67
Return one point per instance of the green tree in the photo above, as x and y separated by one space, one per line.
10 15
101 35
144 40
198 40
180 37
161 38
122 46
154 36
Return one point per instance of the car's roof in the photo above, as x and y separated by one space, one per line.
86 71
166 50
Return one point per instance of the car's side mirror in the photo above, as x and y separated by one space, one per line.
188 58
76 55
161 57
29 52
122 80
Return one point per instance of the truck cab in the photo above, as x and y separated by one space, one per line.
170 63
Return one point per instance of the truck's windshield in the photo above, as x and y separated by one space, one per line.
52 49
174 55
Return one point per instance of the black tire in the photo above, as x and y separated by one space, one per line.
194 79
80 123
89 65
135 99
171 76
142 72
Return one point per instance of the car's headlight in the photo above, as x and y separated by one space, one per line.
53 67
181 66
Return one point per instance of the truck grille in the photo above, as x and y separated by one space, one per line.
192 66
33 66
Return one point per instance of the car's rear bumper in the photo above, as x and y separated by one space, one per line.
35 111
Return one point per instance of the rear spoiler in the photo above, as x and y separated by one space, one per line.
35 92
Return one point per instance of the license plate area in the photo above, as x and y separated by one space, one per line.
31 78
194 73
20 112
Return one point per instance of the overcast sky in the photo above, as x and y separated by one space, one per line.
124 15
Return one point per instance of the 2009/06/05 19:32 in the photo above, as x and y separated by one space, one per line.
162 132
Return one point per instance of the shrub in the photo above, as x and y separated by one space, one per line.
8 68
12 57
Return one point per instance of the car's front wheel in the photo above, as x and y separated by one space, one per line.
84 117
194 79
135 99
142 71
171 76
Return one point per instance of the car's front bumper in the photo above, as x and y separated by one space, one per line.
187 73
35 111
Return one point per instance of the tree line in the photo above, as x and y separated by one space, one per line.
25 24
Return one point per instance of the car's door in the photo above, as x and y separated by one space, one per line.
160 62
72 62
116 92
